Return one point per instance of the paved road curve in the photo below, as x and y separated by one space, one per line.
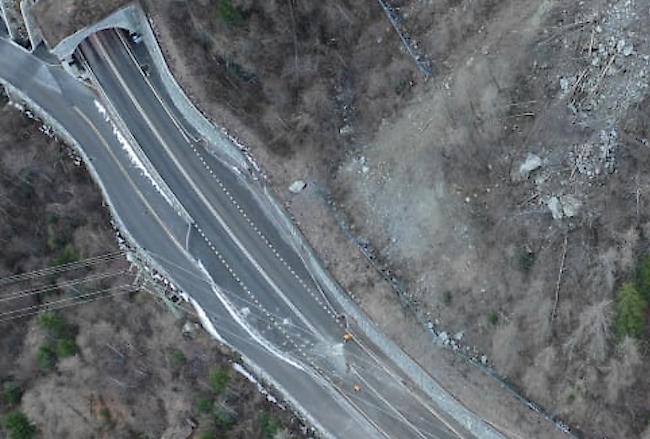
230 257
265 277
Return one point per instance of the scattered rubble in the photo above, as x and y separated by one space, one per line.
346 130
564 206
570 205
614 67
592 159
555 207
189 329
360 165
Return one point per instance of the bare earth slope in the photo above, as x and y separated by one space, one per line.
62 18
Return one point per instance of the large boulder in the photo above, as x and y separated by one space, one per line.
525 168
297 186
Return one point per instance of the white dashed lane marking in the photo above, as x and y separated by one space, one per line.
286 335
266 241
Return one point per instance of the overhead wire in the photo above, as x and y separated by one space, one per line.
68 299
239 297
61 268
83 302
248 302
366 362
362 361
73 282
88 298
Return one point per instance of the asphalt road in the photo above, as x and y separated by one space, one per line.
231 258
153 225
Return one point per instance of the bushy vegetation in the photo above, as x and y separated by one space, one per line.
269 426
46 358
219 379
61 343
632 303
55 325
67 256
631 310
11 393
105 414
215 408
204 405
66 347
60 234
224 419
18 426
209 434
178 358
229 13
525 260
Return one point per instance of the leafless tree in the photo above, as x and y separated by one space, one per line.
593 332
622 369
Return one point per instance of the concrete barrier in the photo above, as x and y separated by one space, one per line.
33 32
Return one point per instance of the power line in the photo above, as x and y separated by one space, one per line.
260 308
239 297
106 296
276 316
68 299
61 268
73 282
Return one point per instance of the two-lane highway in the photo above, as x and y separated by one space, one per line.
226 252
217 214
150 223
251 262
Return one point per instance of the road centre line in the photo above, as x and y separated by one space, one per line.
382 399
212 173
202 197
164 226
221 185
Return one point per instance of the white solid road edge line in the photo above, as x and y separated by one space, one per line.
170 235
223 224
235 316
152 261
228 231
